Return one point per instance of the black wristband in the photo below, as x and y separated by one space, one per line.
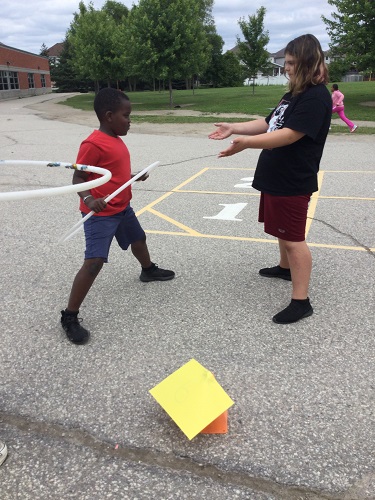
85 198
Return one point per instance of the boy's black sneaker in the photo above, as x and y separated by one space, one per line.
154 273
276 272
74 331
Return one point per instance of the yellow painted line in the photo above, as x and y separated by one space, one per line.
189 230
213 236
216 192
313 203
147 207
345 198
257 240
190 179
350 171
233 168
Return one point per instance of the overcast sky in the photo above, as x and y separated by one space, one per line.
28 24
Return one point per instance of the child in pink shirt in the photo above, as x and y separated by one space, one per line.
338 106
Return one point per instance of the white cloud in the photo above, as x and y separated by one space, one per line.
28 24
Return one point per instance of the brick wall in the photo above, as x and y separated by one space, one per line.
24 63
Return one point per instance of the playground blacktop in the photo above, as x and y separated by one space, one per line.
79 421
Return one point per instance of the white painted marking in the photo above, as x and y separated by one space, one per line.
248 184
229 211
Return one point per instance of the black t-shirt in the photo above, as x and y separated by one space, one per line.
292 170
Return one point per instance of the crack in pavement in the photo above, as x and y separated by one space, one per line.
362 245
175 463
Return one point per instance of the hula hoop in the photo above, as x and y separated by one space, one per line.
74 229
43 193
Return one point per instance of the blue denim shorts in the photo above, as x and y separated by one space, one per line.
100 231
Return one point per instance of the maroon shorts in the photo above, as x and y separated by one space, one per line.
284 216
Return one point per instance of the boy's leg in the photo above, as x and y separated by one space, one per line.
130 232
140 251
81 285
83 282
150 271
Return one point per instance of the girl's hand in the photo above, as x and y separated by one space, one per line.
237 145
223 131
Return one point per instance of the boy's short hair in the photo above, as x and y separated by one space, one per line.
108 99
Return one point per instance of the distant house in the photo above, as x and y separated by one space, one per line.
275 72
23 74
54 52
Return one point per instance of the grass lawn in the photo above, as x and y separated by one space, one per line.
233 100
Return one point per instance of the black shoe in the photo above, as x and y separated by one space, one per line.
276 272
154 273
74 331
296 310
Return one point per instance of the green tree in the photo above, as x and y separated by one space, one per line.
251 51
352 32
43 50
64 75
231 74
167 39
96 42
337 70
215 65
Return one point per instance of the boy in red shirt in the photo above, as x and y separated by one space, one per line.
116 218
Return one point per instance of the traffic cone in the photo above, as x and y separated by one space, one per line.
218 426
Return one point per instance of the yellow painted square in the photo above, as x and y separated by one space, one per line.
192 397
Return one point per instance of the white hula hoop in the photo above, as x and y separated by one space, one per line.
43 193
74 229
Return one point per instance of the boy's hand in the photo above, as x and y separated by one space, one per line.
96 204
143 178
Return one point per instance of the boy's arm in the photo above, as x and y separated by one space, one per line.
94 204
274 139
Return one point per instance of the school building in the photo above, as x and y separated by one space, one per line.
23 74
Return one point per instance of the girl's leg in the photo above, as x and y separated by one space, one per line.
341 114
299 259
284 262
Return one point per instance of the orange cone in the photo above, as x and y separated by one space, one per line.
217 426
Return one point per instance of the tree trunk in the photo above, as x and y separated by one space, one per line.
96 87
170 94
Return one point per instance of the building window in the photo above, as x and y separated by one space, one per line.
9 80
43 80
30 79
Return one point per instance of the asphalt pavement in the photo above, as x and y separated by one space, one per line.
79 421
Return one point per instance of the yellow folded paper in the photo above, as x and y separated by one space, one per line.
192 397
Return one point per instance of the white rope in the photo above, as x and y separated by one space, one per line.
73 230
43 193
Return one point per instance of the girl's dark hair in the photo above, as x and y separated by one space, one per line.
310 68
335 86
108 99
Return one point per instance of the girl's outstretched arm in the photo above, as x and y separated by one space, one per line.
275 139
225 129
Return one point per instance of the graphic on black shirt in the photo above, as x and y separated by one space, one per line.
277 118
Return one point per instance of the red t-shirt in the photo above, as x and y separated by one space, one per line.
102 150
